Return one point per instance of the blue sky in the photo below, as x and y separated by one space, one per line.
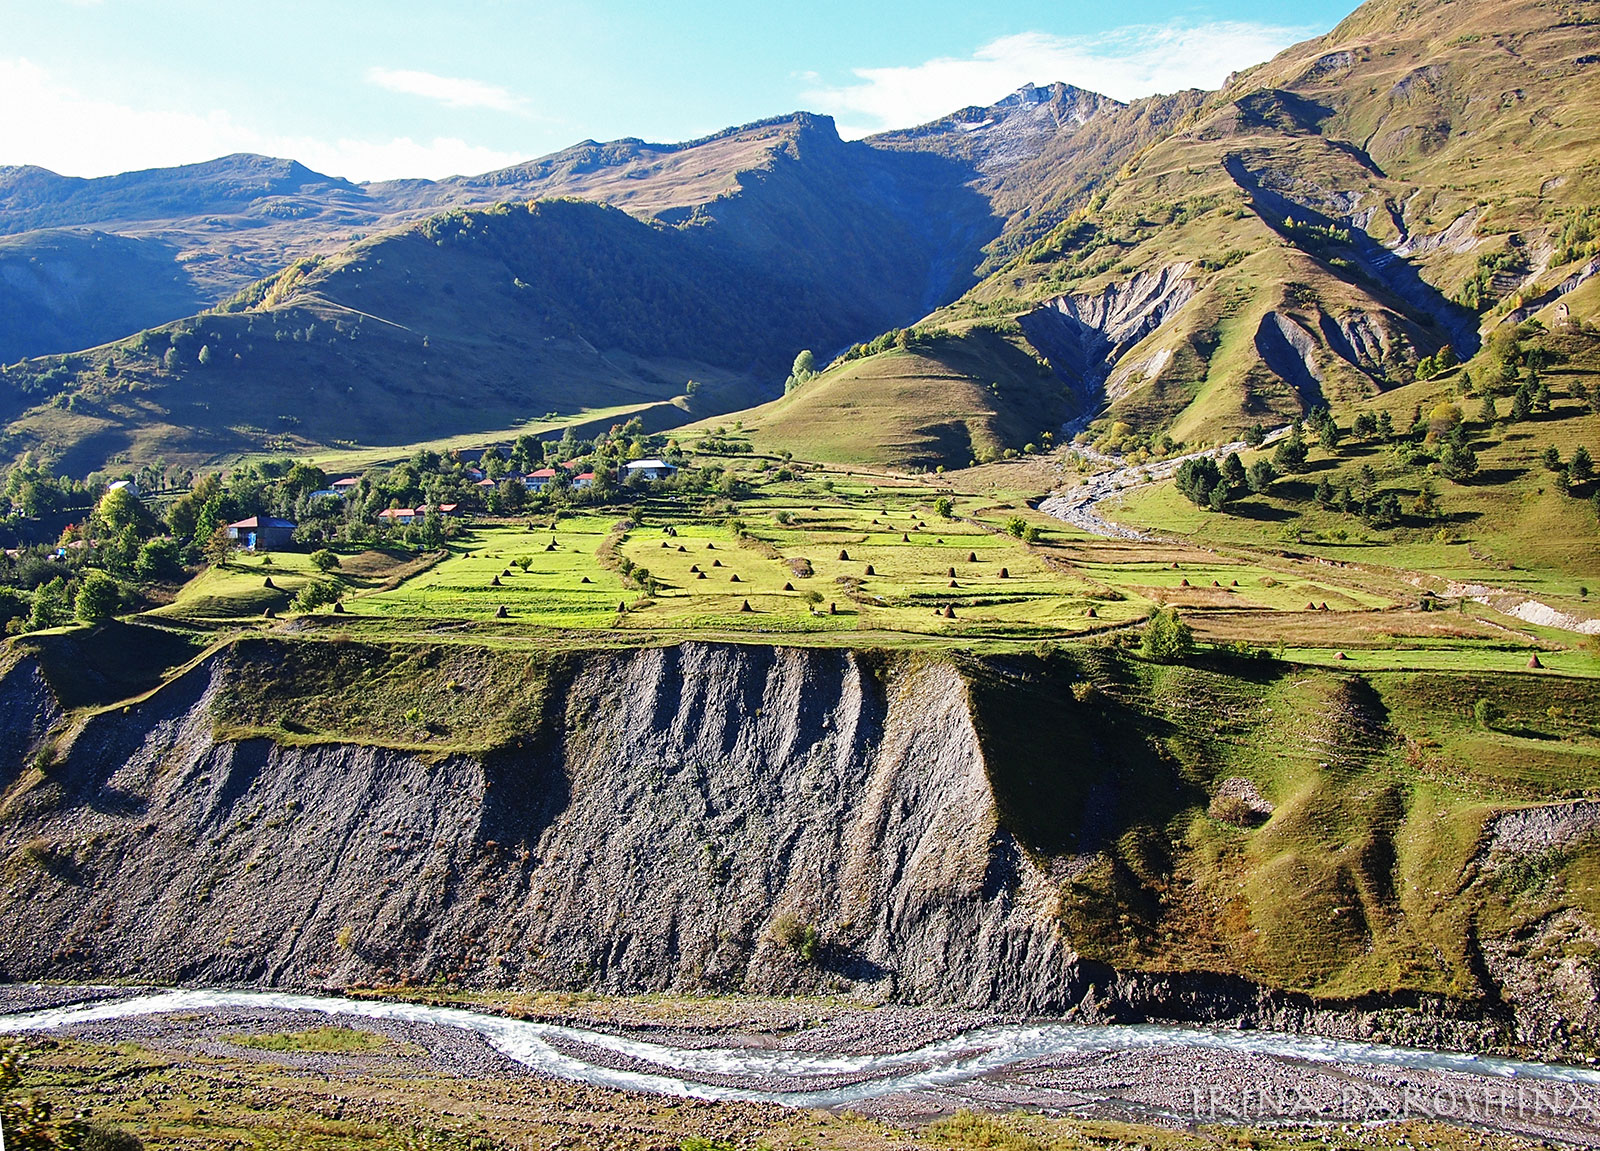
371 90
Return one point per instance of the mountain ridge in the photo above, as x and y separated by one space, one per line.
1321 226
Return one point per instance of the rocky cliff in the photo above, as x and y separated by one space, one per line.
1030 835
699 817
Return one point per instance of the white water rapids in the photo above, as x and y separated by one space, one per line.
818 1080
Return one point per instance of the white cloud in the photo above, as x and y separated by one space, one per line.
450 91
55 127
1125 63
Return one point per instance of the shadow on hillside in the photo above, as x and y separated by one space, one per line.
1251 510
91 667
1073 775
1487 477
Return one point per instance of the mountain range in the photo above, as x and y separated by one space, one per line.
1190 264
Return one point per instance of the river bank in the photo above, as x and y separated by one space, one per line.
897 1066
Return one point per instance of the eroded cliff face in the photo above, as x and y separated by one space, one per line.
1028 834
685 819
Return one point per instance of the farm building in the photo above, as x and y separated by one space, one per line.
650 469
262 533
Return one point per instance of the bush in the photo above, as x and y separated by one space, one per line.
324 560
159 559
789 930
1016 525
98 1138
97 599
1167 639
317 593
1488 714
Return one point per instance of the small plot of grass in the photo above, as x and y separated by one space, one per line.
344 1040
239 588
1455 657
564 585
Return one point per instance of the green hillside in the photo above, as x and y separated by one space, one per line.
479 319
937 400
1309 234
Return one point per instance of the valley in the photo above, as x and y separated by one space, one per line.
980 635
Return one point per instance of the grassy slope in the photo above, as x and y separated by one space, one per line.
1509 527
1406 119
1380 787
943 401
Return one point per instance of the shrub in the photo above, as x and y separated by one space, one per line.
317 593
97 599
1016 525
98 1138
1167 639
1488 714
789 930
324 560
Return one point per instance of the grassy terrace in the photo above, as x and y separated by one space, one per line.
834 557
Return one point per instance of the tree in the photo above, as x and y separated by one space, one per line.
1016 525
432 534
803 370
205 353
219 546
1167 639
1197 479
1444 419
943 508
1364 426
1427 505
1383 511
1385 426
1255 435
1232 471
1260 476
158 560
118 509
1552 459
97 598
1291 455
50 607
1487 412
1581 469
324 560
1457 462
1521 405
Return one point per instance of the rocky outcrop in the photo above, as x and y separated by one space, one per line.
695 817
1085 336
1291 353
28 712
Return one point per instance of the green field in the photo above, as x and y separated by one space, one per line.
829 556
